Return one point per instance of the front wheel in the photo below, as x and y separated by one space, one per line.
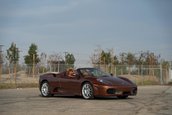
45 89
87 91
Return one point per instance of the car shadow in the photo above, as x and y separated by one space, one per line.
80 97
111 98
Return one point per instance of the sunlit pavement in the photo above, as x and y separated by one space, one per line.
151 100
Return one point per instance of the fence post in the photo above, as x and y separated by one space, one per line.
1 61
161 79
15 73
170 71
142 73
115 70
33 67
0 70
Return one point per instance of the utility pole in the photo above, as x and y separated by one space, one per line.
1 60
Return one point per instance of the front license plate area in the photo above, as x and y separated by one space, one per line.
119 92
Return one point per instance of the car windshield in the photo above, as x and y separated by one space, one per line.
93 72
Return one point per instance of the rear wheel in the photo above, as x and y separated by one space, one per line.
45 89
87 91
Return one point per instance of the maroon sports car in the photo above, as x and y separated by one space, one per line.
86 82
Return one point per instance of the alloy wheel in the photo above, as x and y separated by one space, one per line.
45 89
87 91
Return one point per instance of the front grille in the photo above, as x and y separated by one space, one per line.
126 93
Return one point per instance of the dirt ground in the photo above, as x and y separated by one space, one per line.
21 78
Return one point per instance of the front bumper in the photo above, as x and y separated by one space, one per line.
105 90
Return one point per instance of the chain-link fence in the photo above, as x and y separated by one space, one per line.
140 74
25 75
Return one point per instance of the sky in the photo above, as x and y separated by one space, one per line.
80 26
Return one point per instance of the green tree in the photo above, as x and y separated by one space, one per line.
13 54
151 58
165 64
69 60
123 58
151 61
13 57
32 58
130 60
105 57
148 59
122 62
141 58
140 61
116 61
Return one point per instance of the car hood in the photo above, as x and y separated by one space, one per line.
115 81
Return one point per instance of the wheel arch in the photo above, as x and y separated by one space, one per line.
86 82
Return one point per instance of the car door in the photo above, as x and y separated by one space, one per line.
54 82
70 86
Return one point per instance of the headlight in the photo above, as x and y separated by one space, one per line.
104 81
100 80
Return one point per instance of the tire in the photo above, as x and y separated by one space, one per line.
87 91
45 89
123 96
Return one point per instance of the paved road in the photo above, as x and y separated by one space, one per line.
151 100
